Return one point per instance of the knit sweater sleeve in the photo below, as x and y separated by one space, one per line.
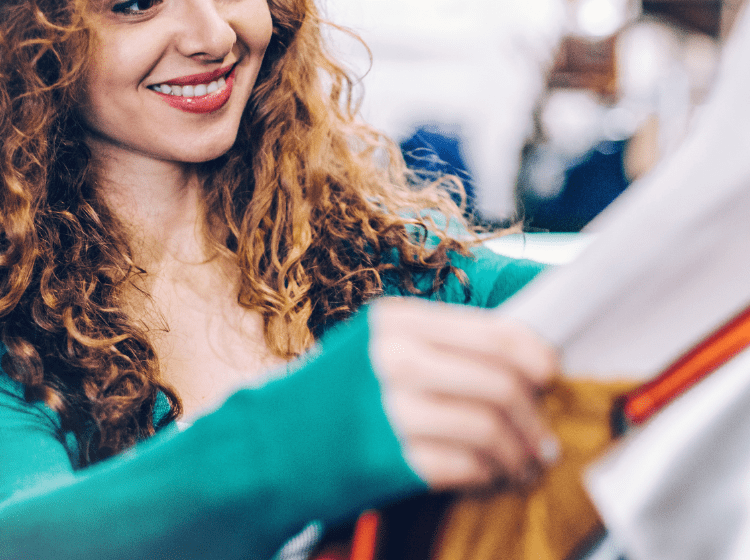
315 444
489 279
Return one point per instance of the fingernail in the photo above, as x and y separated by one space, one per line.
549 450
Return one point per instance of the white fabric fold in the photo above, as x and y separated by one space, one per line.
669 264
671 257
679 488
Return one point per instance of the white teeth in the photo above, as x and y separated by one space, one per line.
191 91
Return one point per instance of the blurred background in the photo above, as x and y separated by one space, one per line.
548 109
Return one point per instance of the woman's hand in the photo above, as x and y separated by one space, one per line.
461 388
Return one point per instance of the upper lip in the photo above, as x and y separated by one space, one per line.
203 78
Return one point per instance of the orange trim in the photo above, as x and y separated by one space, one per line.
701 360
365 540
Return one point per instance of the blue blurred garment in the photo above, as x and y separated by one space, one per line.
590 185
433 154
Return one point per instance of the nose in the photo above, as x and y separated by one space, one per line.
205 33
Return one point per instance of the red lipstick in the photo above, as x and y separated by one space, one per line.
208 103
204 78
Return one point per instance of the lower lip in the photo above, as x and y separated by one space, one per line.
203 104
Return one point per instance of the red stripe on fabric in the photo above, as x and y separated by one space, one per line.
365 540
701 360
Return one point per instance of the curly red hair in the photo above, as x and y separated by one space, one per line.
315 204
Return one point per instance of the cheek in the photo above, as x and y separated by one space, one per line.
123 58
97 86
115 76
255 26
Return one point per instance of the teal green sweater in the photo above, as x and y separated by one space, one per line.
315 444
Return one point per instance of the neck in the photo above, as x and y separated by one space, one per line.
160 204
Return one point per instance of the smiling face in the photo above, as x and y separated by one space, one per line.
171 78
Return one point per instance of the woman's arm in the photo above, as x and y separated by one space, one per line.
313 445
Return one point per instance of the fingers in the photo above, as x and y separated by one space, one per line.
471 385
461 388
481 432
483 335
447 467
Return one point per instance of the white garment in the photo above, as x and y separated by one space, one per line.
679 489
670 262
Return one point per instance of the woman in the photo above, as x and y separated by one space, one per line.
187 212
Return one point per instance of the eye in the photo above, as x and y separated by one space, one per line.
134 7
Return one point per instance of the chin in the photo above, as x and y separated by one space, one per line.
202 154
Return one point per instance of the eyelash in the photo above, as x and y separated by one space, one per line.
124 8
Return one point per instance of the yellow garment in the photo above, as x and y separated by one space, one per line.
549 520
